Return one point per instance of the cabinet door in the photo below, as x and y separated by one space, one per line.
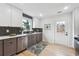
16 17
5 15
33 39
1 48
30 42
38 38
9 47
25 42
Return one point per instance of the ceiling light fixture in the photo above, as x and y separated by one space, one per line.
66 7
41 15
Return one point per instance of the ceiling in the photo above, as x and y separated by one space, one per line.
45 9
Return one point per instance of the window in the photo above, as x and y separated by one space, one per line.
27 23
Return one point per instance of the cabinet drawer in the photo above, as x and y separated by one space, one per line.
9 47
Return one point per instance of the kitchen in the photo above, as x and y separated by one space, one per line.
11 31
25 27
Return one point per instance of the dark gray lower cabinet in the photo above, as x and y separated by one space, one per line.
30 41
9 46
34 39
21 43
25 42
38 38
1 47
15 45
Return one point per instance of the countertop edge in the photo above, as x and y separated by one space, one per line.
16 36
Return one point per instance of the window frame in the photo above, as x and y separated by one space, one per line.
29 17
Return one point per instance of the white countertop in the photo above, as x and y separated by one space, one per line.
7 37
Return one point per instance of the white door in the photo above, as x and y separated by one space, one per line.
60 33
64 37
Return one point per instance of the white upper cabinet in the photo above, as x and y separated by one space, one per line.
16 17
10 16
5 15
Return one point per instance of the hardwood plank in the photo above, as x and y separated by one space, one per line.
52 50
20 54
26 53
57 50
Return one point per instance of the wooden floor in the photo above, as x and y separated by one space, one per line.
51 50
26 53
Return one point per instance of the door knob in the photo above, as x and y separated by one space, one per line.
66 34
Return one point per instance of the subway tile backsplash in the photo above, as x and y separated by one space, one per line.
37 29
10 30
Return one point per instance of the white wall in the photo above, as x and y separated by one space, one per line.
76 21
36 22
49 35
